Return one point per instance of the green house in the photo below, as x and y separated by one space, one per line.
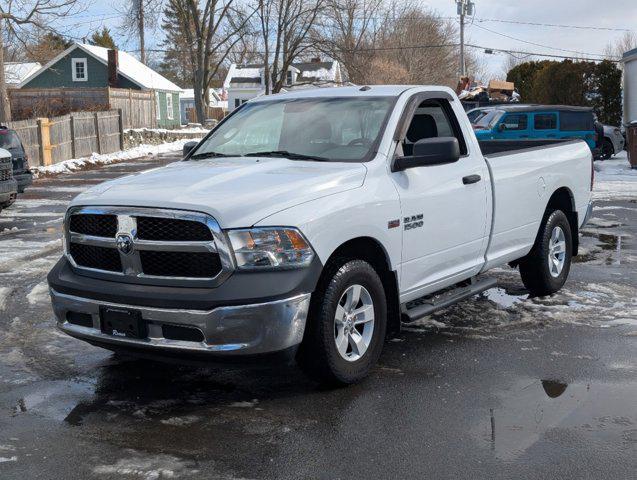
88 66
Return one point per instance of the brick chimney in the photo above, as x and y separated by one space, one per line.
113 68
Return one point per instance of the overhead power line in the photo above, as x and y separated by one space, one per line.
558 25
538 44
537 54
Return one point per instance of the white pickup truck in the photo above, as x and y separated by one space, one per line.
312 223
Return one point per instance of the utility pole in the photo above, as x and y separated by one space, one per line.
140 27
465 7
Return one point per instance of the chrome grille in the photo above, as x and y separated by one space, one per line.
150 246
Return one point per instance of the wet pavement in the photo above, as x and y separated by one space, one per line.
499 386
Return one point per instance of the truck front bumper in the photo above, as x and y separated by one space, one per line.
240 330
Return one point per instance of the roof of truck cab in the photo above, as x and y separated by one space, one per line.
356 91
536 108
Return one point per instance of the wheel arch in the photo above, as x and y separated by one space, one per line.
564 200
372 251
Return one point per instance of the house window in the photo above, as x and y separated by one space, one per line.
157 106
79 72
288 77
169 105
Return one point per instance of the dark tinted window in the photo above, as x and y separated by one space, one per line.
434 118
516 122
9 140
545 121
576 121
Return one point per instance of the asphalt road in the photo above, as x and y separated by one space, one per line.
499 386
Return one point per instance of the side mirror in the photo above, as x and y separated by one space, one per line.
430 151
502 127
188 147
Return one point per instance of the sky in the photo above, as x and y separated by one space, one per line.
608 14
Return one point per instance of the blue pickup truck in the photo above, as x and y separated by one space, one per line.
536 122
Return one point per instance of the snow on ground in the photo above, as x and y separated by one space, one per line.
197 129
615 179
102 159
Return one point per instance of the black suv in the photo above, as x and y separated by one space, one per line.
10 141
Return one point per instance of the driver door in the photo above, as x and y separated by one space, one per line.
444 217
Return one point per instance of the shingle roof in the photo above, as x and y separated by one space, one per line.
129 67
133 69
15 72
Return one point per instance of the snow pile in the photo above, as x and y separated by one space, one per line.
101 159
615 179
194 129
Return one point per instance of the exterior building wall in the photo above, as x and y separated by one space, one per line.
59 75
630 87
241 95
163 121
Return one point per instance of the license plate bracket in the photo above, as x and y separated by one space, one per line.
121 322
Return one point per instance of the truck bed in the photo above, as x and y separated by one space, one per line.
495 147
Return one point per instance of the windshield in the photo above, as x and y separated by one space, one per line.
488 120
9 140
473 115
331 129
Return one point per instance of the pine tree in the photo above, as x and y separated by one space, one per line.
178 62
103 39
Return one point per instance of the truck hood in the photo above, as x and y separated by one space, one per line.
238 192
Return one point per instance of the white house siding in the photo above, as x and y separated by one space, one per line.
630 86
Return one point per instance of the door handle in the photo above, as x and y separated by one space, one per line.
471 179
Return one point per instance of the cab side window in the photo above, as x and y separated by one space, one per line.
433 118
515 122
545 121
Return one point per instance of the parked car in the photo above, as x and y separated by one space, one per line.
9 140
538 122
476 113
312 223
613 142
8 185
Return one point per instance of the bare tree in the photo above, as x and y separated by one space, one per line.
615 51
212 29
286 28
139 16
17 19
350 28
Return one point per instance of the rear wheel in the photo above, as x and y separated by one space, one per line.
545 269
346 326
607 150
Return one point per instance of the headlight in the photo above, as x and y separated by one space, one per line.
270 247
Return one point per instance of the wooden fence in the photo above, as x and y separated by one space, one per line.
138 106
29 132
52 140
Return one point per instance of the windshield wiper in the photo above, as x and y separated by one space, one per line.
286 154
211 155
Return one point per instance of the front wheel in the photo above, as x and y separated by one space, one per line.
346 326
545 269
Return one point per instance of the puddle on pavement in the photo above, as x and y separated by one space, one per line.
156 392
609 243
554 411
505 298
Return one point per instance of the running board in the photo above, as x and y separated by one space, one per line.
423 306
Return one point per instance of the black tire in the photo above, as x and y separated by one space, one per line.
607 150
318 356
534 268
